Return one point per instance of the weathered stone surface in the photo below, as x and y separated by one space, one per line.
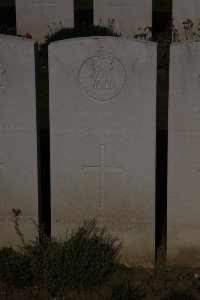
102 118
183 155
182 11
128 15
18 140
36 16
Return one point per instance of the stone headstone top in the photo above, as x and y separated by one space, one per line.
40 17
126 17
186 18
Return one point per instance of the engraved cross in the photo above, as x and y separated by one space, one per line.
102 168
45 4
123 4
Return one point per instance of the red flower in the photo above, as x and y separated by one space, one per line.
28 36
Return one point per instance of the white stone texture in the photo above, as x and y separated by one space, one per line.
36 16
183 10
102 119
128 15
18 140
183 155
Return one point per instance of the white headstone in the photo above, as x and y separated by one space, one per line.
37 17
18 140
184 10
183 155
102 116
128 15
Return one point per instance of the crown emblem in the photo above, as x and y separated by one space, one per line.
102 75
102 59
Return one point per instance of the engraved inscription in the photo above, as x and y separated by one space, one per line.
102 169
191 134
124 224
2 77
102 76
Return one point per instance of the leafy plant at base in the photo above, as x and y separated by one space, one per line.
15 268
189 29
63 33
86 259
126 292
91 256
78 31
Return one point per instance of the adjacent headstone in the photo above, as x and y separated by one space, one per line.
102 118
183 155
40 17
127 17
186 12
18 140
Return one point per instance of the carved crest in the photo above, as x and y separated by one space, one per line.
102 76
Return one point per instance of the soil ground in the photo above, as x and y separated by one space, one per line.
154 283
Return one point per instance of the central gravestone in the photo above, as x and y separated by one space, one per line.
18 140
127 16
103 140
38 17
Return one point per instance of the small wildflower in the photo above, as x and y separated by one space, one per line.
16 212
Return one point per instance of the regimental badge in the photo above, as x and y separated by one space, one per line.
102 76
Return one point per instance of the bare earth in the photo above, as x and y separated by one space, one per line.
155 283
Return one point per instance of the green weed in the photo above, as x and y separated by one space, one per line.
126 292
87 258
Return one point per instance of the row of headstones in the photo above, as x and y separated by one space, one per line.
36 16
127 17
103 137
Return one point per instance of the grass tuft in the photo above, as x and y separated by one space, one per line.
87 258
126 292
